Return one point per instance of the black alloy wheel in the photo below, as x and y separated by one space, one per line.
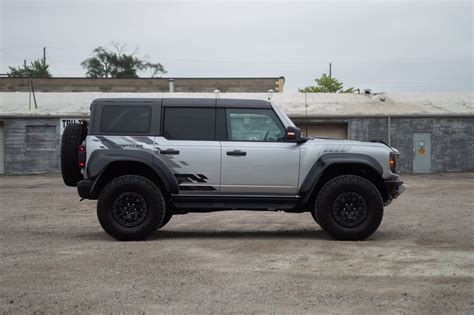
129 209
349 209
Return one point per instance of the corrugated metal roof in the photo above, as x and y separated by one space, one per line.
16 104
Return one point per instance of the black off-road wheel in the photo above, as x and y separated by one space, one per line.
349 207
73 136
130 208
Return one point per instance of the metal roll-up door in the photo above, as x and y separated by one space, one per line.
325 130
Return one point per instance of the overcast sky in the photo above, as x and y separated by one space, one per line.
409 46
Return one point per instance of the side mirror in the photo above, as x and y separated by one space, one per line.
294 134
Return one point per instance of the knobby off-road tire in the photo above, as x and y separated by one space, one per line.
349 207
313 214
166 219
73 136
130 208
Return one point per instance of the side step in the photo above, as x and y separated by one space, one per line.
207 203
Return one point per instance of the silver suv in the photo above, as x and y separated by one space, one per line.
146 160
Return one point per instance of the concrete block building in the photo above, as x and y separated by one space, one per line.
434 132
144 85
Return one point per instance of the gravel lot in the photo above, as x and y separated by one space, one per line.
55 258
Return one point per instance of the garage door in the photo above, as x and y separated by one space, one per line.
1 147
325 130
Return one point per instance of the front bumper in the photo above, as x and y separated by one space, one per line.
394 188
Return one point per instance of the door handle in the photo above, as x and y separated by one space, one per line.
169 151
237 153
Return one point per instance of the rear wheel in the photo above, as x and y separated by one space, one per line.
130 208
73 136
349 207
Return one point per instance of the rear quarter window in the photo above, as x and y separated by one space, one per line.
125 119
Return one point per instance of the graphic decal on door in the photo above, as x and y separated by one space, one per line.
145 143
193 178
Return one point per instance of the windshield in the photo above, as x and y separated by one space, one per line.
281 114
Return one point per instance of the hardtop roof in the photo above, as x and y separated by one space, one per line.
219 102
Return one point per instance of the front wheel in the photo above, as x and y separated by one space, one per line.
349 207
130 208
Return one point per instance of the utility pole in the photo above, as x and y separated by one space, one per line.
44 55
330 70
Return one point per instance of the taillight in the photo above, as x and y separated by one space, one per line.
82 156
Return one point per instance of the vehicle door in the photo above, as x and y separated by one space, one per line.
188 145
255 158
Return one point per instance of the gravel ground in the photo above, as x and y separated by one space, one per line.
55 258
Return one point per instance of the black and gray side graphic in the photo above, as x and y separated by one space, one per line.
193 178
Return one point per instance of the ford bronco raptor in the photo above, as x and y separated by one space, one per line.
146 160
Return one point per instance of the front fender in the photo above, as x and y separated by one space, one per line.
329 159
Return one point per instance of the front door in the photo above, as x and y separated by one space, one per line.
421 153
189 148
255 160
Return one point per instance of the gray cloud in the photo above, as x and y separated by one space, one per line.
390 46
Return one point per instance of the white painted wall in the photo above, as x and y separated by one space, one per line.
318 104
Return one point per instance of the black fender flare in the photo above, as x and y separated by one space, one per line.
329 159
100 160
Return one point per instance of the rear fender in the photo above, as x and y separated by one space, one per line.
101 159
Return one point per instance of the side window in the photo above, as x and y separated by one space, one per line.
181 123
253 125
125 119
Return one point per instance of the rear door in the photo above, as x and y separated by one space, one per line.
188 144
255 159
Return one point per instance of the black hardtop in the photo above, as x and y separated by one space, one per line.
198 102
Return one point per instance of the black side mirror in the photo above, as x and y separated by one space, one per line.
294 134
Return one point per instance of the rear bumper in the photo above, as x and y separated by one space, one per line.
394 188
84 188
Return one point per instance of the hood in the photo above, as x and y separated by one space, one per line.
344 145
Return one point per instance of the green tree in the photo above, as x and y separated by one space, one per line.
106 63
36 69
326 84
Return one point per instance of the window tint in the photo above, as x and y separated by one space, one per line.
189 123
125 119
253 125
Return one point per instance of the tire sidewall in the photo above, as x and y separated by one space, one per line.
152 197
373 201
167 218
